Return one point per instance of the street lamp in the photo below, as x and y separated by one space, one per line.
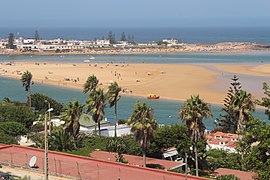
46 140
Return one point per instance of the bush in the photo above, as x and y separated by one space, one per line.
228 177
122 121
7 139
38 102
17 113
12 128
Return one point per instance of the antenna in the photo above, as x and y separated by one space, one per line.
33 161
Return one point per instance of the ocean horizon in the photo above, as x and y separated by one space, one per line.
206 35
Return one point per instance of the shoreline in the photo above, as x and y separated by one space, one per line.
175 82
224 47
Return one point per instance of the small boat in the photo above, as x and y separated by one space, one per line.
152 96
92 58
86 61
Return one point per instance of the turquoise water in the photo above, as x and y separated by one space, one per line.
247 58
166 112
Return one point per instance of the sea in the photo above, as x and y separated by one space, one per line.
206 35
165 111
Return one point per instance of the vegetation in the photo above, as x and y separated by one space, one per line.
227 177
71 115
243 105
90 84
10 44
123 37
95 106
17 113
113 97
117 145
227 121
265 102
26 80
143 124
39 105
111 37
13 129
193 112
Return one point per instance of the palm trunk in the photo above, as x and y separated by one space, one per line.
240 121
115 115
95 128
99 133
186 166
144 158
196 159
30 99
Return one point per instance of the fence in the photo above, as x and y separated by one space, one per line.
76 167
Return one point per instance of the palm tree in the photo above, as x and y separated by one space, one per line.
193 112
95 105
243 104
71 115
113 97
90 84
143 124
26 80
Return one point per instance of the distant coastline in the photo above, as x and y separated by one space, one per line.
231 47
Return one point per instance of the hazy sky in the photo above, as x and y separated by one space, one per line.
134 13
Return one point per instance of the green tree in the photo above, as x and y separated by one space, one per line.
113 97
193 112
254 148
123 37
10 44
12 128
26 80
265 102
221 159
111 37
143 124
39 105
36 35
243 105
95 106
71 115
90 84
227 122
7 139
17 113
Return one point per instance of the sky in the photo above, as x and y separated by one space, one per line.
134 13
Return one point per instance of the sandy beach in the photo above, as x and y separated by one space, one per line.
170 81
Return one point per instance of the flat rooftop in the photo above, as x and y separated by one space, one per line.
83 167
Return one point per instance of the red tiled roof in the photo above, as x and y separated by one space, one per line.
242 175
135 160
226 137
84 167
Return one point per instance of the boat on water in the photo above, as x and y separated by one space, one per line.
152 96
86 61
92 58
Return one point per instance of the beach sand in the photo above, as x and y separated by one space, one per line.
169 81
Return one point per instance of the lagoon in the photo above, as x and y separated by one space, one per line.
165 111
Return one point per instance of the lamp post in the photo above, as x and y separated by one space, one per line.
46 140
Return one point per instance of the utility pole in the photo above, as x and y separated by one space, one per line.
46 139
46 148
